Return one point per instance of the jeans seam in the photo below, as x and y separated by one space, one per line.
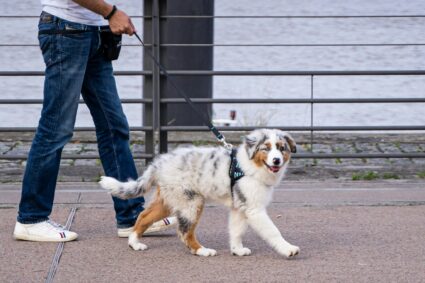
111 136
60 77
57 45
99 43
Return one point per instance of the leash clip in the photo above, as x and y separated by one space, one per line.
226 145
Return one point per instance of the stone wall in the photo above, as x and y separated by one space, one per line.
89 170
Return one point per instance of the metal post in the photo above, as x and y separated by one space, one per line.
156 75
147 82
151 86
186 31
162 108
311 117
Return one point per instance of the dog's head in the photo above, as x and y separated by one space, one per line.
270 148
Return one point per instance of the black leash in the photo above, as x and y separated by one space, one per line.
205 118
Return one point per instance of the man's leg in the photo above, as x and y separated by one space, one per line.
112 131
65 59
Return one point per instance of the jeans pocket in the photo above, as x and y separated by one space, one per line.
46 22
46 18
74 27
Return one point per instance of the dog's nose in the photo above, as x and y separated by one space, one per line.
276 161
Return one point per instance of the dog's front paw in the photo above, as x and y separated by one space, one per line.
289 251
135 244
138 246
241 251
205 252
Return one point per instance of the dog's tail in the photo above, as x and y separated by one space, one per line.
131 188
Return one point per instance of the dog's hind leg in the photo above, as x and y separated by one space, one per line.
188 220
156 211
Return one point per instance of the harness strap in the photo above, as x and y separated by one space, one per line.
235 171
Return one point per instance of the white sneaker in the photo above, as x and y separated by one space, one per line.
46 231
158 226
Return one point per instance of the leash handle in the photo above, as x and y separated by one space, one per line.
206 120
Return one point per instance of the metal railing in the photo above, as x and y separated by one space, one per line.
156 133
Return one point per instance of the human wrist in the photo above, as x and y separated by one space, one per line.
111 13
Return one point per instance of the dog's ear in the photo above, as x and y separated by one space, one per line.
251 143
288 138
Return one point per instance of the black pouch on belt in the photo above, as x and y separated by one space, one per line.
111 44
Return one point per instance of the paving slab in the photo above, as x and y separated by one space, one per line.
347 231
288 193
23 261
328 193
350 244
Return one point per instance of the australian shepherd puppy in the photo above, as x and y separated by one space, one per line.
187 177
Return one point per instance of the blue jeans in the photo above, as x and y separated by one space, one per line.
74 65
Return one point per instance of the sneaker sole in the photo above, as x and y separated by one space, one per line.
34 238
124 234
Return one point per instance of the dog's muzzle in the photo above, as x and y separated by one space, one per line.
273 168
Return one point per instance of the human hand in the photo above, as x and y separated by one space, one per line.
121 23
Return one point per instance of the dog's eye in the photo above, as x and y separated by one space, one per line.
284 148
265 148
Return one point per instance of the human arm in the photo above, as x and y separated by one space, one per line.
119 23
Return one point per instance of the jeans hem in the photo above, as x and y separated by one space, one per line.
31 221
124 226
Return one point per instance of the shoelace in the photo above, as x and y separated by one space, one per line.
56 225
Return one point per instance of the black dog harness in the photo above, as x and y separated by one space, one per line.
235 171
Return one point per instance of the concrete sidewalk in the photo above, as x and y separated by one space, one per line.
347 232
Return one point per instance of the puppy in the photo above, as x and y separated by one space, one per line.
186 177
